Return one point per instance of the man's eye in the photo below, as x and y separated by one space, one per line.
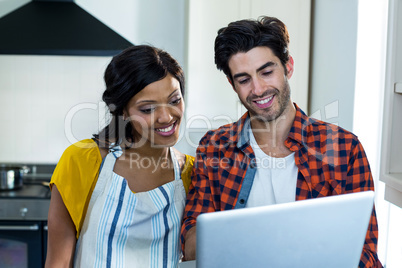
243 81
267 73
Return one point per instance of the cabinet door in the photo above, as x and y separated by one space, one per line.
44 241
391 156
20 244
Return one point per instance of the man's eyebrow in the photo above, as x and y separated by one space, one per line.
239 75
268 64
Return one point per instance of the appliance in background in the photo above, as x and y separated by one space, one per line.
23 219
57 27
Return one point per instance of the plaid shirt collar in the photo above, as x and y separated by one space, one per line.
295 136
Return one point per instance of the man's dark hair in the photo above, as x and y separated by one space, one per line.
244 35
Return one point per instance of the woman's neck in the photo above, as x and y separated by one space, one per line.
149 151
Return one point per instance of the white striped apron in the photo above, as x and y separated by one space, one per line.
126 229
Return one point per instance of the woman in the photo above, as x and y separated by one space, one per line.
117 199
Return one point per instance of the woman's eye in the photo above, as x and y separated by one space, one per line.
147 110
176 101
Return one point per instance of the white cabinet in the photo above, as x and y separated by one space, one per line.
391 155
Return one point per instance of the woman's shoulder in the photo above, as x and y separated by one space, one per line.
81 152
186 165
185 161
82 148
75 176
80 155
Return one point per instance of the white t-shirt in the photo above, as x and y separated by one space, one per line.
275 179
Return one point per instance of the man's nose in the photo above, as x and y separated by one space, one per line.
258 87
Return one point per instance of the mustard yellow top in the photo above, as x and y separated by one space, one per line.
77 172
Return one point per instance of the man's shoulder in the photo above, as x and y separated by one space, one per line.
325 128
224 133
306 127
317 133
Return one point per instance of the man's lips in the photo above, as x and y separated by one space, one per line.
264 102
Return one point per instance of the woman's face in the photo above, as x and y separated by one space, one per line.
156 112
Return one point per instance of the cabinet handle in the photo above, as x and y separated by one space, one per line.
398 87
34 227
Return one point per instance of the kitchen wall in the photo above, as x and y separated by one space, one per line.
48 102
333 65
156 22
37 95
7 6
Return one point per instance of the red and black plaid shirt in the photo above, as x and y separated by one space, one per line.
331 161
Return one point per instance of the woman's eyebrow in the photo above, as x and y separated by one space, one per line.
152 101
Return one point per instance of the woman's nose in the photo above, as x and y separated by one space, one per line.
164 114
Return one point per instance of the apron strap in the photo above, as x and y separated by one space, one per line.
116 151
106 168
176 166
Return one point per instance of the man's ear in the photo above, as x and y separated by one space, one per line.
289 67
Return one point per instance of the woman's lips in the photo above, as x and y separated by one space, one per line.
167 131
265 102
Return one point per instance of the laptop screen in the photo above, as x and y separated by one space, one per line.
320 232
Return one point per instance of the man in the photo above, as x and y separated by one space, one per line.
274 153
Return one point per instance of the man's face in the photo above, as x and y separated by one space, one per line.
260 81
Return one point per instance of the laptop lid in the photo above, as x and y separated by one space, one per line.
320 232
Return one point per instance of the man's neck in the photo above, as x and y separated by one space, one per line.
270 136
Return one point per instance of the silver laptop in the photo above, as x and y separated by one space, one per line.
321 232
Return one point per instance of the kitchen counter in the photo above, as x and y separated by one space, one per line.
31 202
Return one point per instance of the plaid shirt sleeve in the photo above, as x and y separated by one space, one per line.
359 179
199 198
332 161
218 172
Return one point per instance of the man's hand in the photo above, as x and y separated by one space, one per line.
189 244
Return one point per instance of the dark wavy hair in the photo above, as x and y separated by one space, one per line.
127 74
244 35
